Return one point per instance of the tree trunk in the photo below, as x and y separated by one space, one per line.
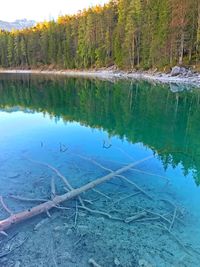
181 48
46 206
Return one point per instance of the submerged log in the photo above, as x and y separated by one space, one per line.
46 206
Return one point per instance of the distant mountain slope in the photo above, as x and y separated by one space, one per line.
18 24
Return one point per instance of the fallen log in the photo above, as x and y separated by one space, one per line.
46 206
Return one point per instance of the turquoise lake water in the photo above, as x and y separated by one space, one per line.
81 127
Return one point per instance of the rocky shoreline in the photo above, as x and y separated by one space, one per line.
179 77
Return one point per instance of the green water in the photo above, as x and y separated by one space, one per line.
69 123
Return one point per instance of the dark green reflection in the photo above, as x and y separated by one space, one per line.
166 122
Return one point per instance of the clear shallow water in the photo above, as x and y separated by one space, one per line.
55 120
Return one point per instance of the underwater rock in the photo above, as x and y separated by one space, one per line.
61 227
69 231
144 263
58 228
180 87
117 262
174 87
17 264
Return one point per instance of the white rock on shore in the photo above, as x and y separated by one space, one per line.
187 77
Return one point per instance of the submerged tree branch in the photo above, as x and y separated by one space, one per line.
46 206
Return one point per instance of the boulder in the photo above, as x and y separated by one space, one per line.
180 87
175 87
190 73
178 71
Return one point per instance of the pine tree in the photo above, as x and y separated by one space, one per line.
198 36
132 34
10 50
128 33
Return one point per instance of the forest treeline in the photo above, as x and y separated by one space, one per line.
131 34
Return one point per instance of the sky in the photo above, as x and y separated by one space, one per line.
41 10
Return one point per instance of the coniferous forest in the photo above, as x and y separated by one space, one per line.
131 34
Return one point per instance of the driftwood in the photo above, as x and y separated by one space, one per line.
46 206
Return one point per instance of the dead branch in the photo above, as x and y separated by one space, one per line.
40 223
173 219
54 170
134 184
28 199
88 201
3 233
64 179
4 254
107 146
120 176
96 211
76 215
163 227
136 217
124 152
62 208
176 211
126 197
150 173
48 213
103 213
148 219
102 194
63 147
95 163
53 188
158 215
46 206
93 263
5 206
53 254
79 240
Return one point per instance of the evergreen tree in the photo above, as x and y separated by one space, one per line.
10 50
127 33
